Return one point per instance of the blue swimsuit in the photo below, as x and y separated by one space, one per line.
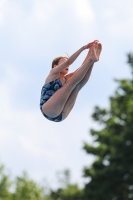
47 91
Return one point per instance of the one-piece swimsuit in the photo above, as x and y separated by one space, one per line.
47 91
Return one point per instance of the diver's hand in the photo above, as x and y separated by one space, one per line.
87 46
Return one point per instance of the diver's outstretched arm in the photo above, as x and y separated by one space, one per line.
70 60
68 76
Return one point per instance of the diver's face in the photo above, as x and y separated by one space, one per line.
64 71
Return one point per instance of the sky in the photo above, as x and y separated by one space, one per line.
32 34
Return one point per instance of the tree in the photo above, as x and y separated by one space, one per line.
24 188
130 60
5 184
27 189
67 190
111 174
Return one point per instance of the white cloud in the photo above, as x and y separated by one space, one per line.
30 145
84 11
45 24
25 28
3 11
42 12
120 19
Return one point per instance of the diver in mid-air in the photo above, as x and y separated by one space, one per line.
60 89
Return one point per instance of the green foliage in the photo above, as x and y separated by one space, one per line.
5 184
67 191
111 174
27 189
71 192
63 178
130 60
24 188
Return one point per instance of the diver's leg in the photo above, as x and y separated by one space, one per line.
73 96
54 106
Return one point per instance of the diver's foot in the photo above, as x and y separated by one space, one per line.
99 49
94 56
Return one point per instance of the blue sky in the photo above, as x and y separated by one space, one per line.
32 33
